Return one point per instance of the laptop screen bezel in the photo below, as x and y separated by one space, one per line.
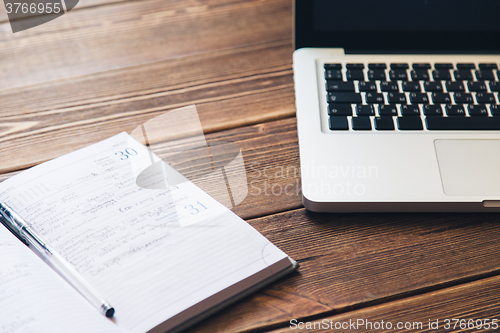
427 42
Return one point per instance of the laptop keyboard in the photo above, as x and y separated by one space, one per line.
418 96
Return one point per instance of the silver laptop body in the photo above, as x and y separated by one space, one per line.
451 163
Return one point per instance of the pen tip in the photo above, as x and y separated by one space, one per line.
110 312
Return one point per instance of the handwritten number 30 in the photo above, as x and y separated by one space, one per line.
125 155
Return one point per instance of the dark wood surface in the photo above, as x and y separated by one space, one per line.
110 65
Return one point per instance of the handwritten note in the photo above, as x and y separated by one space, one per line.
151 252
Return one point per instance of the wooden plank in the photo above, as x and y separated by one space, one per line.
81 4
131 33
231 89
150 80
429 312
354 260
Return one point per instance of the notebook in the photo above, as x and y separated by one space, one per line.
398 106
164 258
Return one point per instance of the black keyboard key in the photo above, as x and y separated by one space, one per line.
421 66
384 124
344 97
333 74
388 110
433 110
420 74
374 98
355 66
399 66
478 110
365 110
355 74
335 109
441 74
463 98
485 74
485 98
433 86
410 123
398 74
367 86
339 123
466 66
418 98
411 86
376 74
410 110
396 98
361 123
377 66
477 86
455 86
339 86
438 98
443 66
462 123
455 110
389 86
333 66
488 66
495 110
463 74
495 86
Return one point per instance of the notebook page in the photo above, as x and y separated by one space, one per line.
151 253
33 298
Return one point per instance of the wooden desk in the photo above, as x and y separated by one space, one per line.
110 65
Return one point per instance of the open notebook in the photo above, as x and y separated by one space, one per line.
164 258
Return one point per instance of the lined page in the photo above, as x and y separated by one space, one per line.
33 298
152 253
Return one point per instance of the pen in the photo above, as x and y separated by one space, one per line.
24 231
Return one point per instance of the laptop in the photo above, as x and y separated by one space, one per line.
398 105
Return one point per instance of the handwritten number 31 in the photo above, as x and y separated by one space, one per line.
193 210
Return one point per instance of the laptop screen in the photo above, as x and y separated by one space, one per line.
403 26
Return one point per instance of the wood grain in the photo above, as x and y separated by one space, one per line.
131 33
149 80
356 260
475 300
230 89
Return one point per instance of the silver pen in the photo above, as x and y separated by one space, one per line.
24 231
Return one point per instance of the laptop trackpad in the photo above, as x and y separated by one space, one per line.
469 167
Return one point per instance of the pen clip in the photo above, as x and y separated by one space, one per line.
20 227
15 222
8 225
